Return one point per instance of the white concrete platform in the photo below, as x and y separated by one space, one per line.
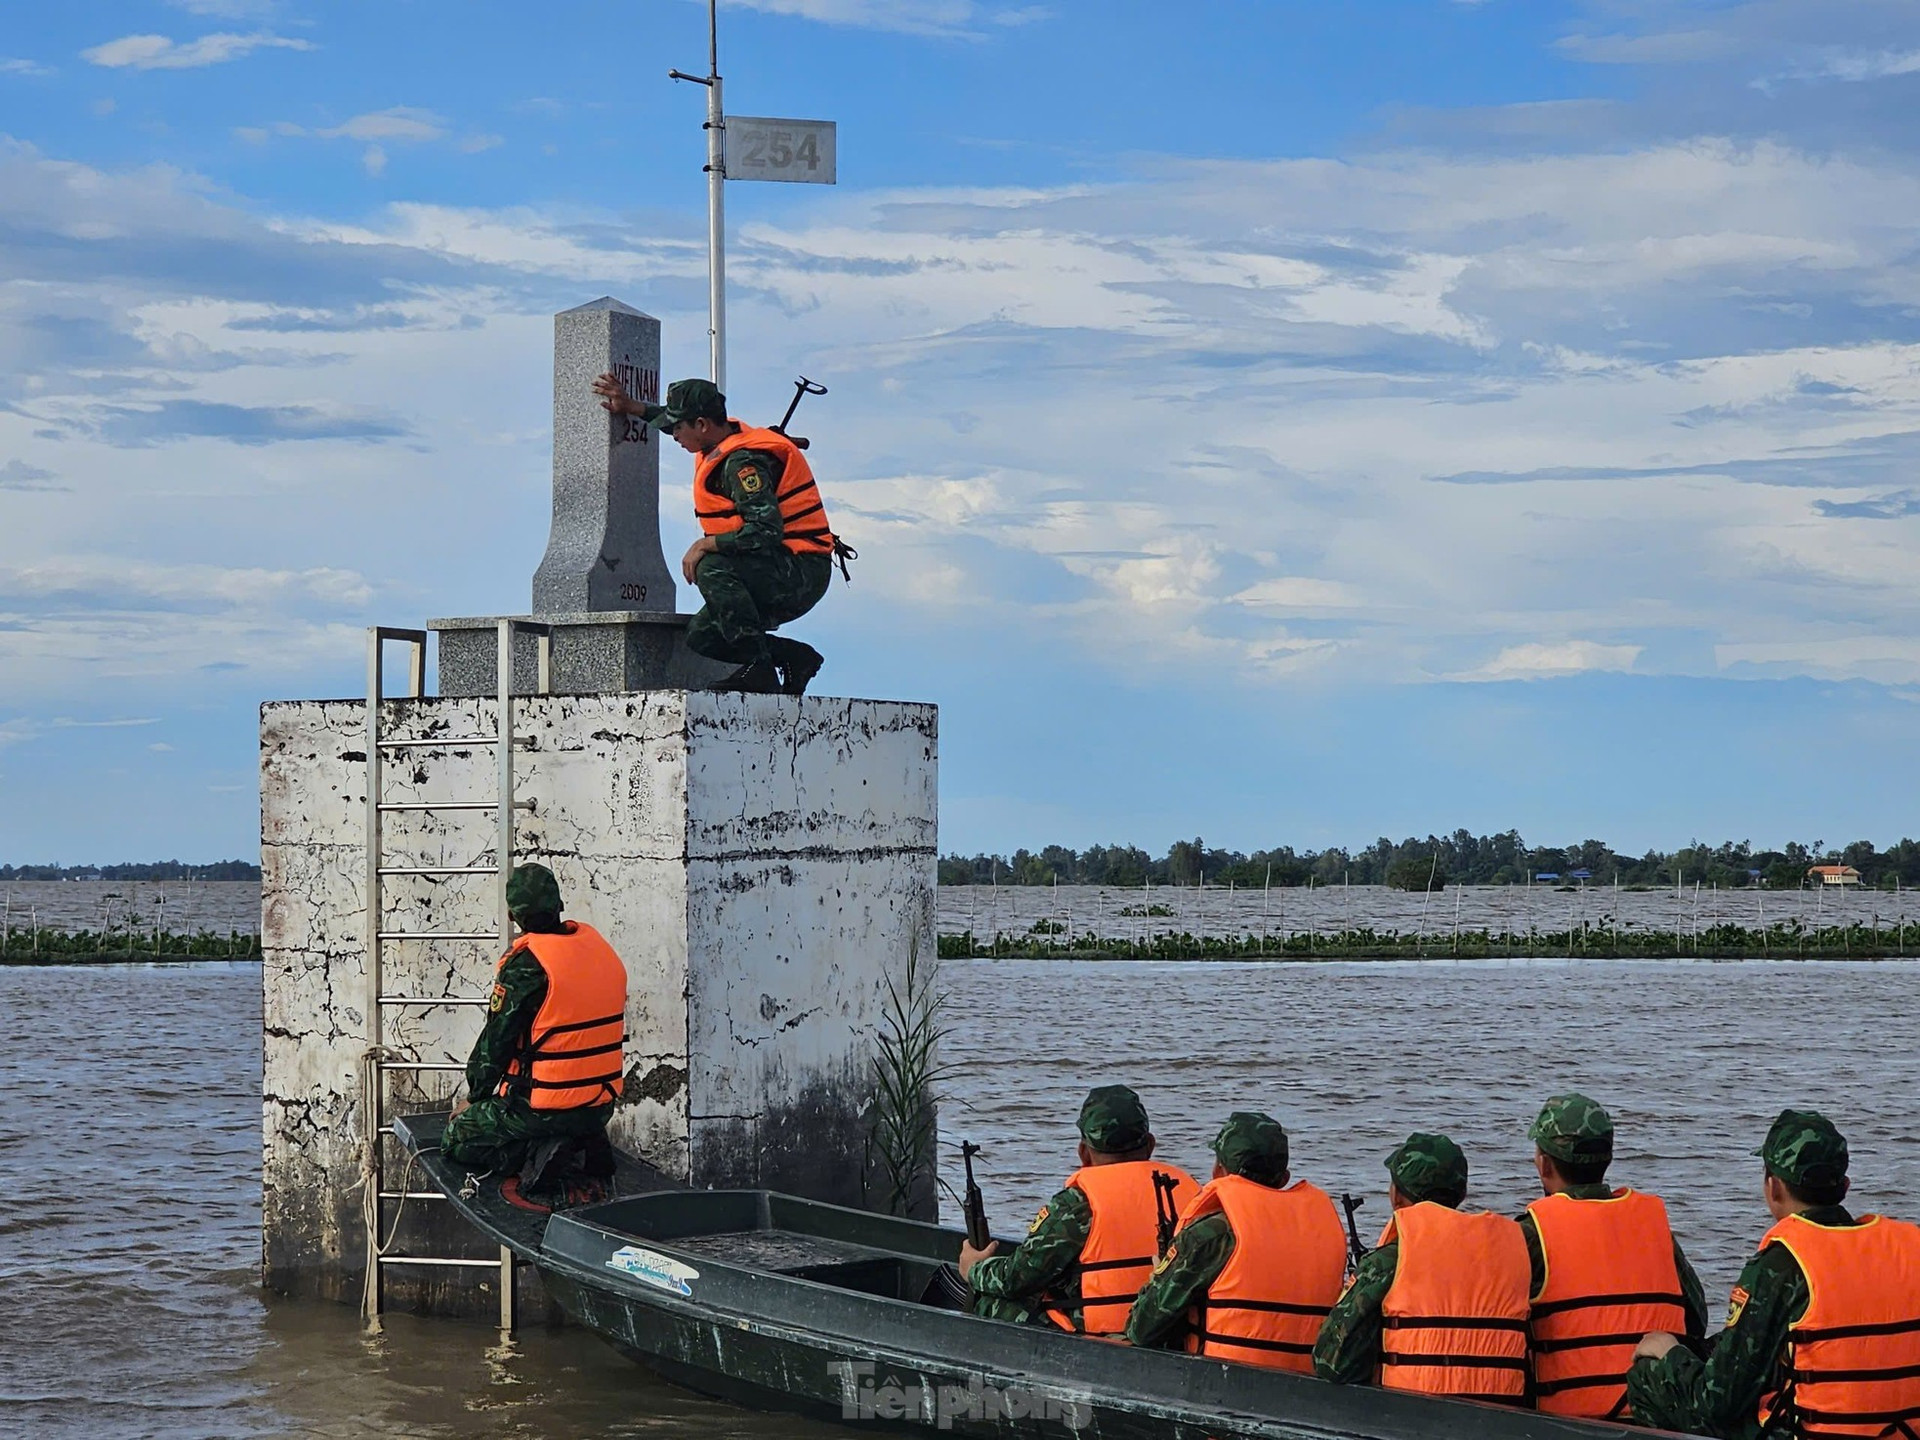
760 862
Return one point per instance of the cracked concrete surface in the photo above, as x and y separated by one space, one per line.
759 862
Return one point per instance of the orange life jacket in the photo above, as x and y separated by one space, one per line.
1123 1241
1289 1259
572 1058
1611 1278
1853 1360
1456 1316
802 512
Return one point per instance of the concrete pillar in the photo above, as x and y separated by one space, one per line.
761 863
603 552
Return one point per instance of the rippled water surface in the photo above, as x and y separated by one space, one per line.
129 1155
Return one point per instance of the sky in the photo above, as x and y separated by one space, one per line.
1275 422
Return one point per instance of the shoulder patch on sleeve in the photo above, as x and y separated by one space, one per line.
1736 1305
1038 1221
750 479
498 999
1165 1260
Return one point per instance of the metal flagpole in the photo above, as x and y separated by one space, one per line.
716 167
716 203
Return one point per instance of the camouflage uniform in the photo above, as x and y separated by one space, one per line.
1425 1167
1720 1395
1577 1131
752 583
1249 1144
495 1131
1038 1274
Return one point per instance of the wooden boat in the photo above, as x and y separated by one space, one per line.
784 1304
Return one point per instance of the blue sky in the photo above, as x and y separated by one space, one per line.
1300 423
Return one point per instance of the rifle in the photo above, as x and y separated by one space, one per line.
975 1206
802 388
1166 1215
1356 1252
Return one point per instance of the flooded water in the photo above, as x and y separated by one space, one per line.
129 1156
1112 914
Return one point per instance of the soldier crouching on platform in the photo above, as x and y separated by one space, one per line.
549 1062
766 553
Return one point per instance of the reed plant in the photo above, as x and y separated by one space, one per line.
907 1072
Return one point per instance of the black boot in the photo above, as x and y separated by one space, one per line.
798 663
759 678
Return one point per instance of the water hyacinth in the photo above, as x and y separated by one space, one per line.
1788 940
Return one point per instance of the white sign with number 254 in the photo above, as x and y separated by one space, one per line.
802 151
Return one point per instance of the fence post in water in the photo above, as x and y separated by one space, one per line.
34 913
1266 899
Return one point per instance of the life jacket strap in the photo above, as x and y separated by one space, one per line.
1590 1302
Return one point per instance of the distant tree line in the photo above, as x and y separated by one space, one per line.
153 870
1412 864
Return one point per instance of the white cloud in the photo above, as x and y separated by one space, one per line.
186 587
15 66
230 9
159 52
1221 400
396 125
399 122
913 17
1660 47
18 476
1857 65
1298 592
1545 660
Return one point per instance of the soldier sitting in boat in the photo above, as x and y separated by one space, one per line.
547 1066
1823 1331
1257 1263
1606 1268
1441 1307
1092 1246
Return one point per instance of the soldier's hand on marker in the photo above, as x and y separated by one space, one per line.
617 400
1655 1346
458 1106
697 552
970 1257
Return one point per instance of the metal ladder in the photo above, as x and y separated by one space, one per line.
380 1063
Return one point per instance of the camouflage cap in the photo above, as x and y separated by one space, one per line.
1803 1148
1253 1145
687 400
1426 1167
1113 1120
532 890
1574 1129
